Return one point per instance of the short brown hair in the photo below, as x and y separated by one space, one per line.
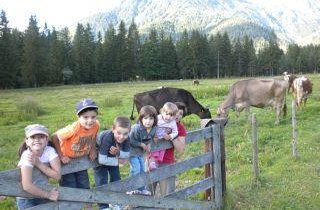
122 121
148 110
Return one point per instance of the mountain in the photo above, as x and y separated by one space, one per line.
292 21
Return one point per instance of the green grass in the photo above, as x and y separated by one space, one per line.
284 182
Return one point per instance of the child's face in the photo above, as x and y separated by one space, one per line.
120 134
148 121
179 115
37 142
88 119
167 117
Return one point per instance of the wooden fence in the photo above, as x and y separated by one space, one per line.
73 198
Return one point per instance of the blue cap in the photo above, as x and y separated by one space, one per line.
84 104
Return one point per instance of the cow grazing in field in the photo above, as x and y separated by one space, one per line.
159 97
195 82
289 78
257 93
302 88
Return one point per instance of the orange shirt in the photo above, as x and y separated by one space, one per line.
75 140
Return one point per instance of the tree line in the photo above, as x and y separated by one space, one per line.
35 57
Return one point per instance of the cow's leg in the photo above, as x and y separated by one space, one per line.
247 111
305 101
238 115
278 113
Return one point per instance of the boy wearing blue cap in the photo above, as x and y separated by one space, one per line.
76 140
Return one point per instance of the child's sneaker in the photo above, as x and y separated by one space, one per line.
115 207
134 192
145 192
152 165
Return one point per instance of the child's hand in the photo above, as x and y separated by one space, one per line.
53 194
114 150
148 148
93 154
34 159
167 137
144 146
155 139
123 161
65 159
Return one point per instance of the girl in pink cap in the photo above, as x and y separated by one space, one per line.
35 153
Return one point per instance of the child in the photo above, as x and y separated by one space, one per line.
35 152
113 148
77 140
167 129
140 138
168 185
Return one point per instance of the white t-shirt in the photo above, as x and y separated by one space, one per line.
48 155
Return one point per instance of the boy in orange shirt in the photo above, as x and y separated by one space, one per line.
77 140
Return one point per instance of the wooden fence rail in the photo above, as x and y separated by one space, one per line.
74 199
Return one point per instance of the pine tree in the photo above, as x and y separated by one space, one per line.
7 68
237 59
99 59
184 55
168 58
67 62
32 63
109 47
150 56
122 54
134 50
83 55
249 57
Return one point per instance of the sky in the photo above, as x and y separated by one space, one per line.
58 13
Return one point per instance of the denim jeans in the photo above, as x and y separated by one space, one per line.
101 175
137 167
24 203
78 179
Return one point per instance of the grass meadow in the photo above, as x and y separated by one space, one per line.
284 182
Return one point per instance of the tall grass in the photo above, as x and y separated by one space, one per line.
284 183
28 108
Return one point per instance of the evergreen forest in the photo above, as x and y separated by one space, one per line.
45 57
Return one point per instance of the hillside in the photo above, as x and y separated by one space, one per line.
292 22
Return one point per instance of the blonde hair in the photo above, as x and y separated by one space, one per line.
169 108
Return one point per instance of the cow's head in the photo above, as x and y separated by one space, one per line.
222 112
205 113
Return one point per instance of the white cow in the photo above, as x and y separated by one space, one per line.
302 88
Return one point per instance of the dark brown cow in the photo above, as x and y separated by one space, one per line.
159 97
257 93
302 88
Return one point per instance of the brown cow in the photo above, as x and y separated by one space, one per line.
289 78
258 93
159 97
302 88
195 82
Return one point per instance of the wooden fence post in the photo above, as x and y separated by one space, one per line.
294 131
220 122
254 147
216 169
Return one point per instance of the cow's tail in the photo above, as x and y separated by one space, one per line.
131 117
